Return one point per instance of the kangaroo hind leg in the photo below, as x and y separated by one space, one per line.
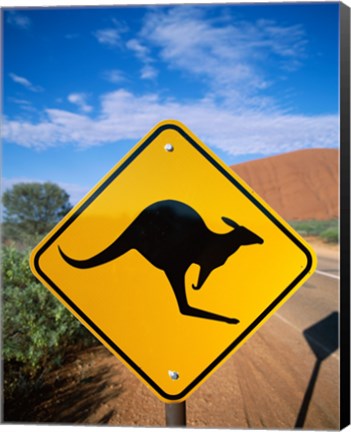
176 280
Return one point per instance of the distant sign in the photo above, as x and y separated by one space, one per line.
172 261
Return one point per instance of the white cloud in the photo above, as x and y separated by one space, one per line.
115 76
142 52
18 19
20 80
148 72
109 37
23 104
42 135
79 99
25 83
226 54
228 57
124 115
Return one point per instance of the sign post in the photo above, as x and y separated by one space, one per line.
170 249
176 414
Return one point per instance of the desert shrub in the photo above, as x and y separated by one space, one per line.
331 235
31 210
37 329
327 230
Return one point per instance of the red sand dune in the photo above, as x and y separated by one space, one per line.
299 185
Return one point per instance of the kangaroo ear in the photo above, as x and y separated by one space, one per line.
230 222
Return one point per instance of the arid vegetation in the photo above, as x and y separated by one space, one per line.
37 330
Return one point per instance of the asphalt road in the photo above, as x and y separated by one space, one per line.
287 374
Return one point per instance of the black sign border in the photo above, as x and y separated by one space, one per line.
102 335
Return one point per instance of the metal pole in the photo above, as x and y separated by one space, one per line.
176 414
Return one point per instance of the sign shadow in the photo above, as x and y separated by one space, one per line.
323 340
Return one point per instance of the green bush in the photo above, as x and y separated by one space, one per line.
37 328
31 210
327 230
331 235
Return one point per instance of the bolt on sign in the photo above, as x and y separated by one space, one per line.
172 261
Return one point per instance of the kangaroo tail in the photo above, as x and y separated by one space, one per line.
112 252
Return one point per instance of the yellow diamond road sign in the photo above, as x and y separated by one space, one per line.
172 261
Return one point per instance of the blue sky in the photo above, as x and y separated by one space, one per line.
82 85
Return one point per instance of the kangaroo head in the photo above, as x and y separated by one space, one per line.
224 245
242 236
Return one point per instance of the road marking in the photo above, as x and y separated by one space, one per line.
322 273
288 322
311 338
328 274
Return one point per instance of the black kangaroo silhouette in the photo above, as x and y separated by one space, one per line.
172 236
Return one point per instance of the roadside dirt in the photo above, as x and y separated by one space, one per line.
94 388
328 250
